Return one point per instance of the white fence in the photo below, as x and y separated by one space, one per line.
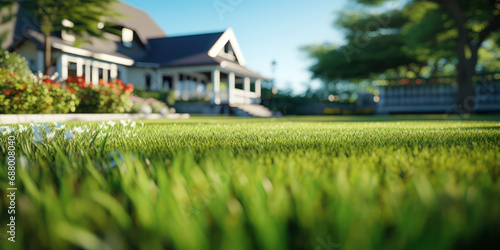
430 98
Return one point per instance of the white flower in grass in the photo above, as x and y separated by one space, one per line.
22 128
68 135
59 126
101 125
50 136
135 135
111 123
124 123
105 127
32 123
37 138
79 130
143 124
132 124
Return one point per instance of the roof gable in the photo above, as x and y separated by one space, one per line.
227 37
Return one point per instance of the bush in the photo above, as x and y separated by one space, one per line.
64 98
22 94
27 95
168 97
110 97
140 105
14 63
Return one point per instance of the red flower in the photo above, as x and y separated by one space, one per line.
130 88
7 92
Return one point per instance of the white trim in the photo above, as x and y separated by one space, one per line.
228 36
114 59
99 56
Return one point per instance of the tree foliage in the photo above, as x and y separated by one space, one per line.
421 36
84 14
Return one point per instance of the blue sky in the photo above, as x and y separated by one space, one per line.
265 29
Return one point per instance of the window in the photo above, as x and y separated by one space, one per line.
72 69
148 82
101 73
127 37
67 35
167 83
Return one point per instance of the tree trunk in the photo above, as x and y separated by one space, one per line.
465 101
48 53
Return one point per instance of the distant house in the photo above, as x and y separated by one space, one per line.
202 67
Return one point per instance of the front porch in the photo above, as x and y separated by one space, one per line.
215 85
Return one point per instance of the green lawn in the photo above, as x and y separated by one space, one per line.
390 182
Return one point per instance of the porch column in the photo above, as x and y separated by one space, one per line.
246 87
199 88
185 87
216 83
95 73
114 71
231 82
257 87
105 74
88 71
79 67
40 60
175 85
62 67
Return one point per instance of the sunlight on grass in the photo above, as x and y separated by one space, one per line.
236 183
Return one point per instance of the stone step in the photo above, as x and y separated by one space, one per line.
253 110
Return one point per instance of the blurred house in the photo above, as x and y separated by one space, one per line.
206 67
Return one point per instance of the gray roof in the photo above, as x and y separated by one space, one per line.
25 28
154 49
182 50
139 21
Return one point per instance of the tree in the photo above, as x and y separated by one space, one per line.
6 15
84 14
468 24
421 34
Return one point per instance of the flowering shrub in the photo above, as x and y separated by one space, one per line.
106 97
22 95
143 105
64 98
14 63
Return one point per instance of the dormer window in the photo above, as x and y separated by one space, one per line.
127 37
67 35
